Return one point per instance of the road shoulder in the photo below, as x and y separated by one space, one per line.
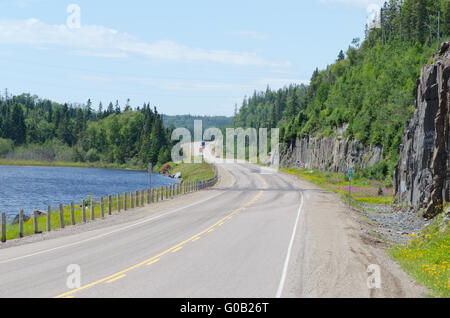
334 248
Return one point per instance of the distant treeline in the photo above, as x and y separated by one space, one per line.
371 87
39 129
187 121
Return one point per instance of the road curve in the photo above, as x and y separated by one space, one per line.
263 235
233 243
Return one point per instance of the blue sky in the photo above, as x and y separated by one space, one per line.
197 57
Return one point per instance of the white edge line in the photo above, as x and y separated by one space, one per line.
288 256
109 233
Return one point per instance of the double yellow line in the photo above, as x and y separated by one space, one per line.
175 248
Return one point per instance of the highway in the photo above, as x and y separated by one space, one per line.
234 242
252 235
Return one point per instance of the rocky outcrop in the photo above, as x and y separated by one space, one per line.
335 154
422 177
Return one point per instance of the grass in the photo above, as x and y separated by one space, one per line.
363 190
102 165
192 171
426 256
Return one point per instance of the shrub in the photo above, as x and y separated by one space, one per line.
6 145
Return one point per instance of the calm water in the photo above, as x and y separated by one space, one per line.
36 187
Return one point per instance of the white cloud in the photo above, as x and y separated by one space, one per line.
101 41
372 9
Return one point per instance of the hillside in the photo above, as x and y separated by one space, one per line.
41 130
370 90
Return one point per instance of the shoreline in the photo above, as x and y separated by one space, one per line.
91 165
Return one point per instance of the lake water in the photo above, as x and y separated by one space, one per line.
36 187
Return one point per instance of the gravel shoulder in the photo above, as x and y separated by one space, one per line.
335 246
226 179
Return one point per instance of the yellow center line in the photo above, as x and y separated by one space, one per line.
119 275
114 279
153 262
197 238
176 250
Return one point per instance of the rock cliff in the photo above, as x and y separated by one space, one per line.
335 154
422 176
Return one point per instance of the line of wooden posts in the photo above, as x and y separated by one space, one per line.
125 201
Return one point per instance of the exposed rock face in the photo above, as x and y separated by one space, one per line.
422 177
329 154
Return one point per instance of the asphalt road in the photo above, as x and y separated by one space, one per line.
235 241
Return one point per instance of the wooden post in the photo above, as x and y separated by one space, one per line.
125 201
157 195
148 196
3 227
162 193
21 223
72 213
142 197
110 204
102 207
132 200
137 198
92 209
83 207
35 221
49 223
118 202
61 215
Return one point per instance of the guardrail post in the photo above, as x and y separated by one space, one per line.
161 193
148 196
142 198
137 198
21 223
110 204
61 215
83 208
35 222
3 227
125 201
92 209
132 200
118 202
102 207
49 225
72 213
